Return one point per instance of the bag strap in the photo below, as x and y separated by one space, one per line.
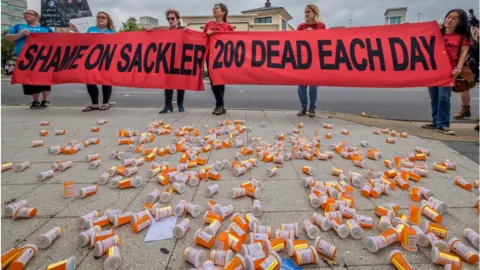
460 46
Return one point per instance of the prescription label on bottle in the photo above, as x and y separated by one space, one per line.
218 257
326 248
190 255
26 256
238 230
279 247
269 263
447 257
301 246
205 236
144 225
90 190
305 256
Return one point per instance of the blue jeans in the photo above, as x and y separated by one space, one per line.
440 98
302 95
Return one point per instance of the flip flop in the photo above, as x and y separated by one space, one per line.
90 108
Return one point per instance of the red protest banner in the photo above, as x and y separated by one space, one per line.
407 55
171 59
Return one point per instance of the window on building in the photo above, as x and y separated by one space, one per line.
263 20
15 19
4 4
284 25
395 20
17 9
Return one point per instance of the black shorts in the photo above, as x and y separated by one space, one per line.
29 89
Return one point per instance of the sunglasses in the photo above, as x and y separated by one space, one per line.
28 13
101 17
171 18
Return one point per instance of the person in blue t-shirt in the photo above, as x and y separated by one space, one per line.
18 34
104 26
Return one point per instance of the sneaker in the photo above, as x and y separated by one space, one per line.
429 126
215 111
447 131
35 105
311 113
44 104
302 112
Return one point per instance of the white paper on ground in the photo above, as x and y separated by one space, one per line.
161 230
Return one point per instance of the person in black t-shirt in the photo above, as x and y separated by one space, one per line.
173 18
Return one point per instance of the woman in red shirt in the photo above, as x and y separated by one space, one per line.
312 22
456 35
220 12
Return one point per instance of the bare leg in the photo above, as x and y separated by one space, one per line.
35 97
466 98
45 95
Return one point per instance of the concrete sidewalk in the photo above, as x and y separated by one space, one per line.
465 131
283 199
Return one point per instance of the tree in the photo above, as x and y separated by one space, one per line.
7 50
130 25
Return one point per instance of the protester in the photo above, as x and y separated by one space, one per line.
104 26
312 22
220 12
456 35
18 34
472 62
173 18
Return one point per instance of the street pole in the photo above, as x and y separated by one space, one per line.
419 16
350 22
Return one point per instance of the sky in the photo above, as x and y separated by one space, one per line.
332 12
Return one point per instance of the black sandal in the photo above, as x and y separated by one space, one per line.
104 107
90 108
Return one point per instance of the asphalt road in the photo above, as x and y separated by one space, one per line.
404 104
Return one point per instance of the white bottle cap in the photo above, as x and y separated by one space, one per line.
193 181
114 261
194 210
82 239
137 181
165 197
374 243
179 208
103 179
115 181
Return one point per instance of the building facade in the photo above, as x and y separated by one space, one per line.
395 15
148 22
12 13
267 18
